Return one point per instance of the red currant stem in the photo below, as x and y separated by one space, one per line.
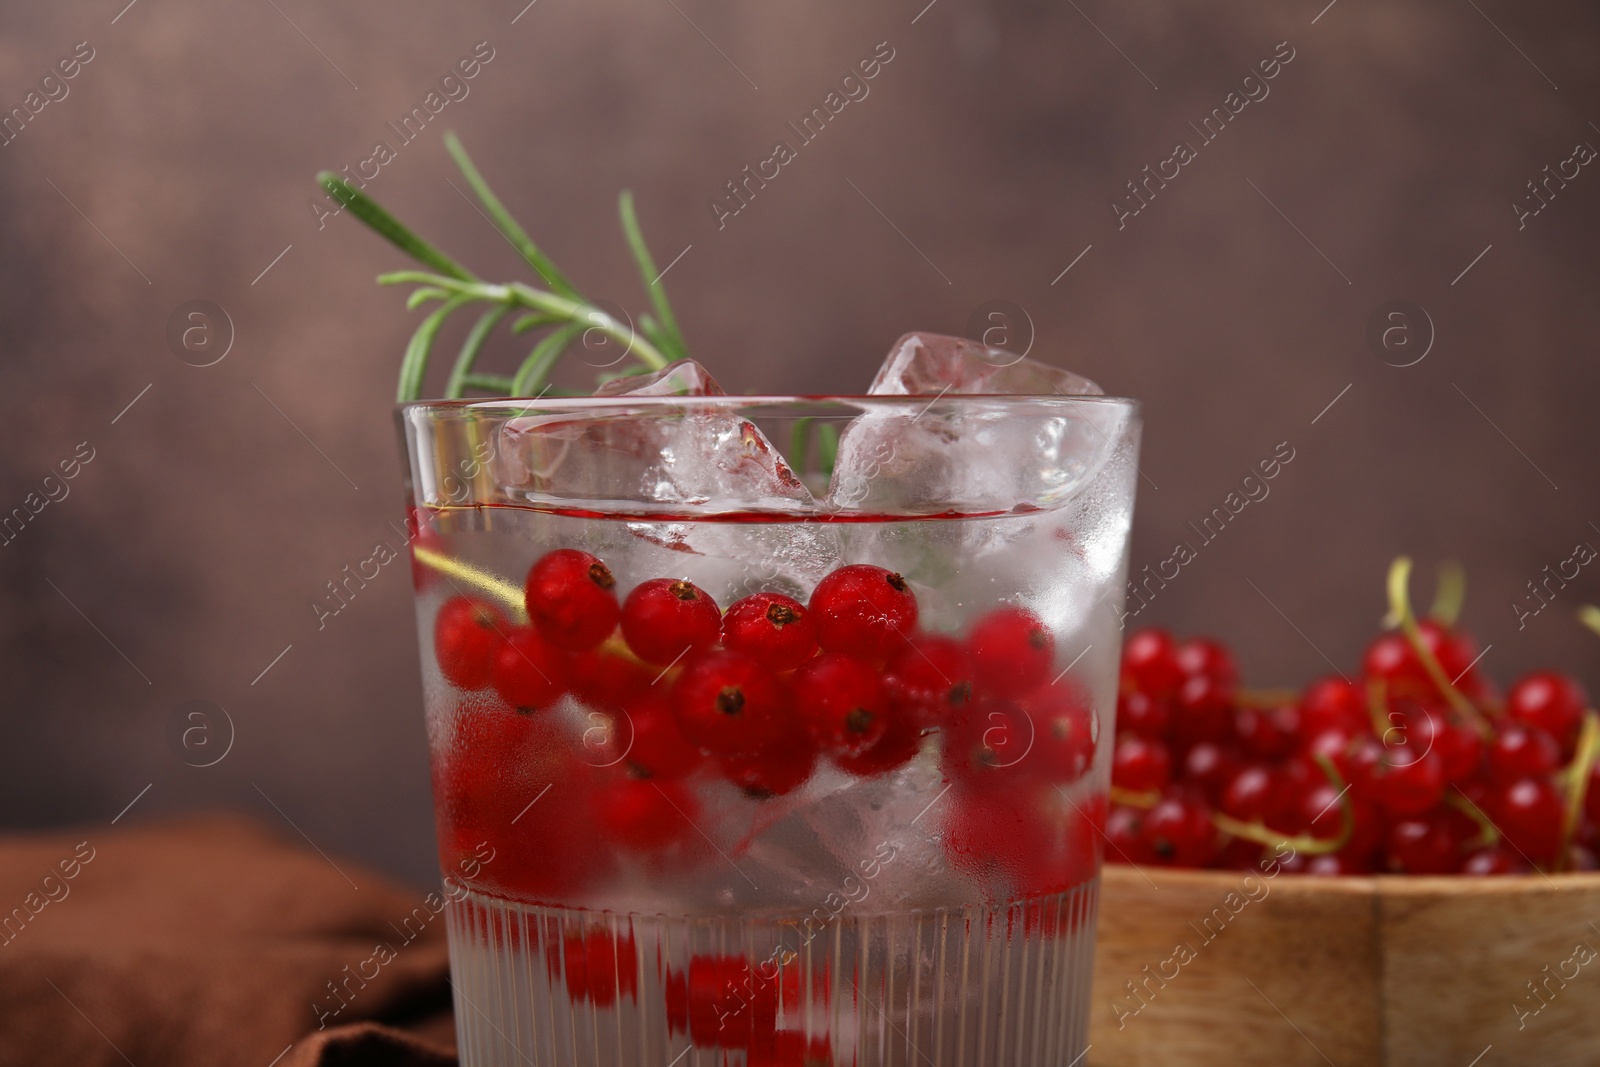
508 594
1134 798
1311 846
1489 832
1401 615
1576 779
1589 615
1449 593
1267 698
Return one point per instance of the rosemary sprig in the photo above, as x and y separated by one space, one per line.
559 308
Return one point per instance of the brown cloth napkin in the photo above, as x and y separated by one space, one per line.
211 941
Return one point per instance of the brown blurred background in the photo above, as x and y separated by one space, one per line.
178 166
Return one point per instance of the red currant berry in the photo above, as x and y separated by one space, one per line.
1408 784
467 635
986 744
776 770
1210 767
928 678
1391 658
1140 764
898 746
1328 865
1454 651
863 610
1493 860
610 964
644 816
1460 750
1238 854
549 850
1522 752
1346 748
1142 714
1528 813
572 961
1150 664
571 599
994 834
1012 652
675 995
1332 702
1208 658
1291 781
1549 701
470 779
1125 835
775 630
604 679
1178 831
841 702
1368 862
1203 710
1359 765
665 617
728 704
528 673
1368 837
1066 732
1267 734
1248 796
659 749
719 1014
781 1048
1411 728
1423 845
1321 812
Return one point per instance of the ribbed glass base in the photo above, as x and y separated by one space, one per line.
972 987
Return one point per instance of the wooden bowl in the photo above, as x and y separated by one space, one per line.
1224 967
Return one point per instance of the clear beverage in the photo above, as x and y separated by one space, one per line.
636 893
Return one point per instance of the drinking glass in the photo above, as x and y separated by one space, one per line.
751 850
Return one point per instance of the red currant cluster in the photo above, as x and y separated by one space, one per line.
1415 766
680 695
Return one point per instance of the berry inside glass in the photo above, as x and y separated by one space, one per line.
739 763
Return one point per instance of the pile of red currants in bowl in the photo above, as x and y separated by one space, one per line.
1415 764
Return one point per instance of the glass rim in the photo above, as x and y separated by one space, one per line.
505 405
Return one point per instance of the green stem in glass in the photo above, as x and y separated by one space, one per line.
800 443
828 446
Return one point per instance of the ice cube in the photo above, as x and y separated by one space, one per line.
683 378
978 457
658 457
926 364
